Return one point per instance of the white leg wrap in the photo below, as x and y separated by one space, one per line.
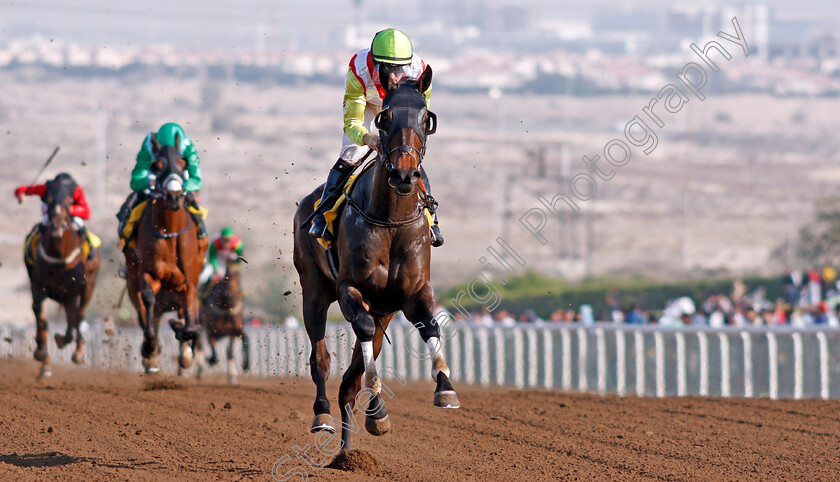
436 355
371 380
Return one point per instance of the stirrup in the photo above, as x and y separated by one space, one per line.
319 229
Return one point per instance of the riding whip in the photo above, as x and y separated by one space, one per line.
49 160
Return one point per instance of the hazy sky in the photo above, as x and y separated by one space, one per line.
314 23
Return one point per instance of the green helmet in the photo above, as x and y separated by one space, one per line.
390 46
227 231
167 132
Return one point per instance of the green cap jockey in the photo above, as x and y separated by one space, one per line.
166 137
141 181
390 46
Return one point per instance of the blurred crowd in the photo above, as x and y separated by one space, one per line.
807 298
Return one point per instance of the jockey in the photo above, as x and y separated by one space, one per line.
224 247
142 181
391 54
79 209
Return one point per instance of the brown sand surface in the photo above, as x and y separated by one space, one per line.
85 425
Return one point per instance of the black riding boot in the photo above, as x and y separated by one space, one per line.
431 205
197 217
335 178
125 211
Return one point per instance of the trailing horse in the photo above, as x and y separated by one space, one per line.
382 251
222 315
56 260
164 259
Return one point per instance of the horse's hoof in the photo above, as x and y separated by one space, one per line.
78 358
185 359
232 380
40 355
447 399
45 372
61 340
379 426
322 423
213 360
150 367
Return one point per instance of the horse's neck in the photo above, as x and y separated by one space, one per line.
167 220
383 203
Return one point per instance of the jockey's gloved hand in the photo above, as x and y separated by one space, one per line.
372 141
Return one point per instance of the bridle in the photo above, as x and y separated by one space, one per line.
392 119
174 175
59 208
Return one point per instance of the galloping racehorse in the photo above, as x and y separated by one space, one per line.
60 271
383 255
164 263
222 315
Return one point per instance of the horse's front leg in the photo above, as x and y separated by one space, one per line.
73 311
149 287
231 361
357 311
41 331
419 311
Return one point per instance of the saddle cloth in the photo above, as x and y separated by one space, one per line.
30 246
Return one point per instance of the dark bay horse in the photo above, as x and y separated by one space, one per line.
222 315
60 271
164 263
383 249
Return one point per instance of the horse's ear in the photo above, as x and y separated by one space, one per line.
425 80
178 142
155 145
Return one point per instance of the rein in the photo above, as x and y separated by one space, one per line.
385 223
159 235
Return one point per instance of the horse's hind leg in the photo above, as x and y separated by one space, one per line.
351 384
41 332
315 318
420 313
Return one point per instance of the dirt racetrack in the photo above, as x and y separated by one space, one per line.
81 425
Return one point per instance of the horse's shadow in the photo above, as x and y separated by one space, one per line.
46 459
